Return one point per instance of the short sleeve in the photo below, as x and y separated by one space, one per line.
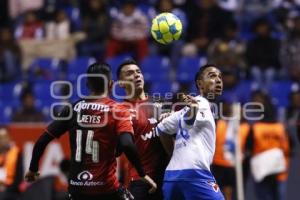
62 124
123 120
170 124
204 115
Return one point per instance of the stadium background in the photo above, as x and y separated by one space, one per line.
256 44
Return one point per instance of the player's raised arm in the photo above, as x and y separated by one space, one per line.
193 107
37 153
170 124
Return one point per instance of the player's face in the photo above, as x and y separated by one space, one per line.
132 74
211 83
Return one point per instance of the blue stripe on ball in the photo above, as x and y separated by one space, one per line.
160 19
158 34
173 29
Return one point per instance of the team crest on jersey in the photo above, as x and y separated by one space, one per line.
85 176
214 186
202 114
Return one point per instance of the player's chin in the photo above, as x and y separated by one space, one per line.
139 86
218 92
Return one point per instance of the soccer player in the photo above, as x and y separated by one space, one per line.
188 173
96 125
153 157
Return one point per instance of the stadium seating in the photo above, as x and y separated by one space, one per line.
237 93
118 93
73 14
81 89
161 87
115 61
47 69
155 68
10 93
187 68
5 113
78 66
279 91
41 91
193 89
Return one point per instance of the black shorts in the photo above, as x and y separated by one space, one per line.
120 194
225 176
139 190
112 196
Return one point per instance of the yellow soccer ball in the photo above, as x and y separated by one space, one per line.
166 27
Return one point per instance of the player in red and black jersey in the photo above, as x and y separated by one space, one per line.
151 152
96 125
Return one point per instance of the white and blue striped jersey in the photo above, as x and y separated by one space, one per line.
194 145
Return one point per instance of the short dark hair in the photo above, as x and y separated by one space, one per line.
124 63
96 84
129 2
201 70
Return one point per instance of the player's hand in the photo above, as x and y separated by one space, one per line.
153 185
31 176
124 193
190 101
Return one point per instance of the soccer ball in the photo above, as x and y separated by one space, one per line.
166 27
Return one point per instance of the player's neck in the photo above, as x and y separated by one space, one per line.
209 97
99 94
138 96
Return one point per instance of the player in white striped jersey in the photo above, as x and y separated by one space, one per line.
188 175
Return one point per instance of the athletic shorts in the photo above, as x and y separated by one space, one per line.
120 194
192 190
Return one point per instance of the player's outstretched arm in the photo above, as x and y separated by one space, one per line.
37 153
130 150
54 130
163 116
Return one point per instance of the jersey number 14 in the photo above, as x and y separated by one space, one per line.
91 147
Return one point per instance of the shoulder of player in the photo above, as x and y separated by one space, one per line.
106 100
140 103
203 102
120 107
125 104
